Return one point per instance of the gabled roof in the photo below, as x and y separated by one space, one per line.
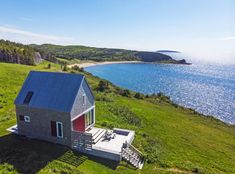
51 90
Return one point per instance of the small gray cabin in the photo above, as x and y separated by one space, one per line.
60 108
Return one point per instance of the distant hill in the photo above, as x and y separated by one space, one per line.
176 55
102 54
32 54
167 51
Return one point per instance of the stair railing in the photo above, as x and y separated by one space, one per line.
131 157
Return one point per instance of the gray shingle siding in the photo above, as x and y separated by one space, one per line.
78 106
39 126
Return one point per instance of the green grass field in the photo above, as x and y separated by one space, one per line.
173 139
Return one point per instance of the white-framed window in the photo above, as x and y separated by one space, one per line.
84 99
27 118
89 118
59 129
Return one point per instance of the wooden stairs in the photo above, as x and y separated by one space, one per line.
98 135
132 155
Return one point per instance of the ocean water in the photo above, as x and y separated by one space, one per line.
209 89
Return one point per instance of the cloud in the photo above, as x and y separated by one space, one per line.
30 37
26 19
227 38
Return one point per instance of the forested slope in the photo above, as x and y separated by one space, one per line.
18 53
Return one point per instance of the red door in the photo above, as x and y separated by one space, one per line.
79 124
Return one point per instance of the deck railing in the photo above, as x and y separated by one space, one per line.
81 141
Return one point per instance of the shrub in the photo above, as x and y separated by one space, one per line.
195 112
49 66
102 86
104 98
139 96
65 68
175 105
196 170
151 150
163 97
126 114
108 125
104 124
160 94
125 92
76 68
144 135
153 95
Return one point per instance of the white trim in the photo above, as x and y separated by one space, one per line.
94 116
57 129
87 127
91 125
27 118
92 107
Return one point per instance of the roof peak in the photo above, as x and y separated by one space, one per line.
51 72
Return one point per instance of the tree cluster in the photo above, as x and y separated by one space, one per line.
16 53
103 86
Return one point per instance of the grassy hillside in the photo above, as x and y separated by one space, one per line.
173 139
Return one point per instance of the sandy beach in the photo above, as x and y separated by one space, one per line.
88 64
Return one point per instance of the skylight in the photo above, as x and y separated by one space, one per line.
28 97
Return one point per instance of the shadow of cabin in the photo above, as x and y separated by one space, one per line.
30 155
26 155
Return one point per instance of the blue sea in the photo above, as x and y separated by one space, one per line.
209 89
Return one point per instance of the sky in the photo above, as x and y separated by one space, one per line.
204 30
